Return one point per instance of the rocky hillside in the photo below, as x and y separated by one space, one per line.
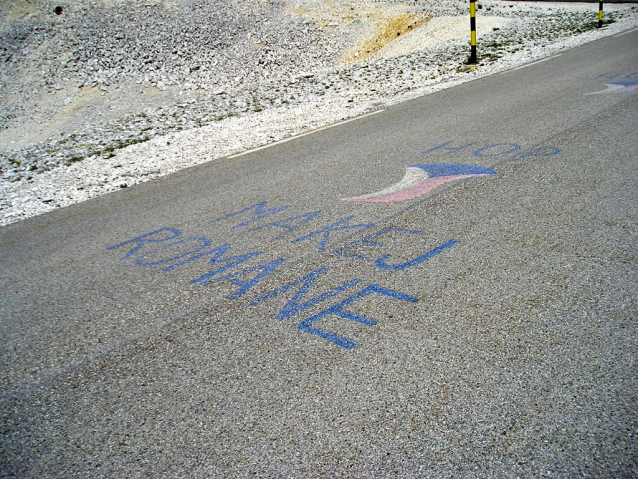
81 80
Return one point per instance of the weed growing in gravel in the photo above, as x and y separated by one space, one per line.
133 141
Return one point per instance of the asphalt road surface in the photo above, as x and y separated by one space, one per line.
241 319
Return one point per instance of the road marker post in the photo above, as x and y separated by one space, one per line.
472 32
600 13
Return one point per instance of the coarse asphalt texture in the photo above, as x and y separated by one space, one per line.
484 329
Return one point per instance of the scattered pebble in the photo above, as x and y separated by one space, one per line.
96 98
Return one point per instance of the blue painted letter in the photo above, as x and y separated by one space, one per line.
513 148
205 243
542 151
238 278
141 240
257 215
381 262
369 241
326 231
338 310
289 224
448 148
230 262
294 306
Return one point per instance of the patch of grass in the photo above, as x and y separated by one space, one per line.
224 116
490 57
129 142
585 27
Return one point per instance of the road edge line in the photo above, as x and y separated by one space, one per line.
301 135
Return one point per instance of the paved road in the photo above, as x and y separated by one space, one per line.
240 319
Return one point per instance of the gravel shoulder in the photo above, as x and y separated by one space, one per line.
111 93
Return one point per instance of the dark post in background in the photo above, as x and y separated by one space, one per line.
472 32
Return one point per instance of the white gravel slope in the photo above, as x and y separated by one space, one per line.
142 89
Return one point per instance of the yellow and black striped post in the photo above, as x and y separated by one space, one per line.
600 13
472 32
